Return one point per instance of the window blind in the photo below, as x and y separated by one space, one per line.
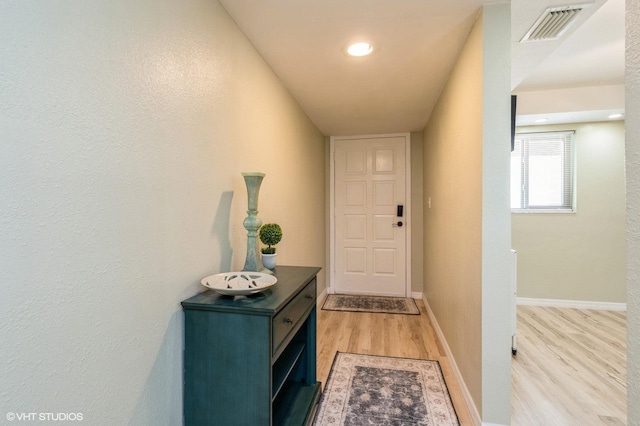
542 175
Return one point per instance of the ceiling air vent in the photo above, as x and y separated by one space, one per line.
553 23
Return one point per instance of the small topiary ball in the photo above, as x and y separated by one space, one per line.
270 234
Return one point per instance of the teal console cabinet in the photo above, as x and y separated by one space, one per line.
251 361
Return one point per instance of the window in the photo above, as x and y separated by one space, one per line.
542 176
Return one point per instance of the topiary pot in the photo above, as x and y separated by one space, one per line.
269 260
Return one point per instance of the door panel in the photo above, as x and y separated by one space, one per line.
370 249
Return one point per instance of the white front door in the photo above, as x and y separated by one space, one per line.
370 231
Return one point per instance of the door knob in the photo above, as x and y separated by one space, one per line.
399 224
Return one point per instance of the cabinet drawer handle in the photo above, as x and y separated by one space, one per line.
308 296
288 320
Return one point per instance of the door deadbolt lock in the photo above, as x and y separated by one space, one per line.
398 225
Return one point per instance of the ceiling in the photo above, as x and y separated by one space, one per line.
416 43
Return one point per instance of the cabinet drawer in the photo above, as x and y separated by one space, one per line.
287 319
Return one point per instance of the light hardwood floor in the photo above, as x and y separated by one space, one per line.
561 375
407 336
570 368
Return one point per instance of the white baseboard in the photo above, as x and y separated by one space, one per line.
475 415
575 304
416 295
321 298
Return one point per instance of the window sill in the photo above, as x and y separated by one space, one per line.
543 211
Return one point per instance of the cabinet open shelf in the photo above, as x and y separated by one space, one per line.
285 365
292 405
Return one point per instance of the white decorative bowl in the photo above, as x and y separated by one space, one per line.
239 283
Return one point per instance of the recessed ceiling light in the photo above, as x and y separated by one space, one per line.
541 120
614 116
359 49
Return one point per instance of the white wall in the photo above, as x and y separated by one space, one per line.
579 256
124 129
496 223
633 208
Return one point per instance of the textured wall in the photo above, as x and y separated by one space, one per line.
633 208
125 126
579 256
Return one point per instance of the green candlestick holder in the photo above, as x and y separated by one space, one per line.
252 222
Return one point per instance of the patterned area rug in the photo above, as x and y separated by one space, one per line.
375 304
385 391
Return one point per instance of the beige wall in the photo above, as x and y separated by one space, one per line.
579 256
633 208
453 223
467 225
571 99
125 127
417 218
